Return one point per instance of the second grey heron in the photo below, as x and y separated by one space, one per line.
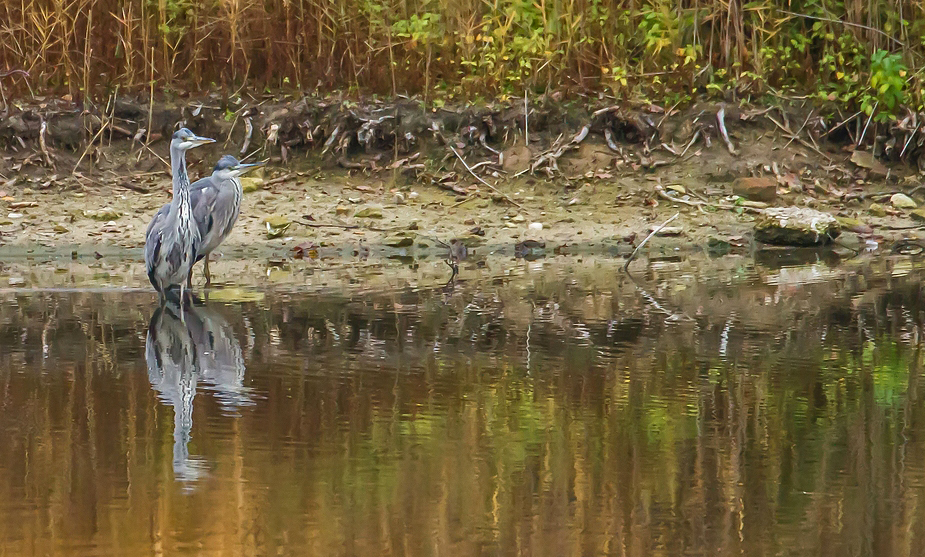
216 204
172 239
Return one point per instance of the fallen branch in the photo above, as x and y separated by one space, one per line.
649 237
279 180
133 187
841 124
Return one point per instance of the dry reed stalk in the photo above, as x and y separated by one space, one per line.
347 43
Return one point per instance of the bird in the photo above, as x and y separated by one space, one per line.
216 203
172 238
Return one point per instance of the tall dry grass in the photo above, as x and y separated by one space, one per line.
465 46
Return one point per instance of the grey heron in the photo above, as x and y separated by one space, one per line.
216 203
172 239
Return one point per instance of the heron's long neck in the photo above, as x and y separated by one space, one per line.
180 178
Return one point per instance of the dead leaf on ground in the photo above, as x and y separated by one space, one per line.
305 249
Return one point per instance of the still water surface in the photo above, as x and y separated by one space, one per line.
556 408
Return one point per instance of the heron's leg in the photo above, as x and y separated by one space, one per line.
205 269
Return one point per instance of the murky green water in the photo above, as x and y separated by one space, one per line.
540 408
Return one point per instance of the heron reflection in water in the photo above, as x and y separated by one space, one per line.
181 354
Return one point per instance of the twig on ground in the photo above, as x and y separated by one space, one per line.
150 150
908 141
690 143
802 141
793 137
871 117
480 179
466 200
320 225
649 237
90 145
841 124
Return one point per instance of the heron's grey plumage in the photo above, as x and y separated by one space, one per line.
221 362
172 238
173 371
184 355
216 204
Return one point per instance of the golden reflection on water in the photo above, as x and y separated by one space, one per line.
556 414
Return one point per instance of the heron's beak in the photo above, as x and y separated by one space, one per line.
244 168
196 141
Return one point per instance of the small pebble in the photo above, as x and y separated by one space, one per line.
902 201
399 199
413 195
535 226
519 218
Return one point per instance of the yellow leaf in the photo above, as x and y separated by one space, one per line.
839 75
605 70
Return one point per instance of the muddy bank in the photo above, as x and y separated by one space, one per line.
348 178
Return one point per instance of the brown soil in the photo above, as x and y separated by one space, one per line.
595 198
